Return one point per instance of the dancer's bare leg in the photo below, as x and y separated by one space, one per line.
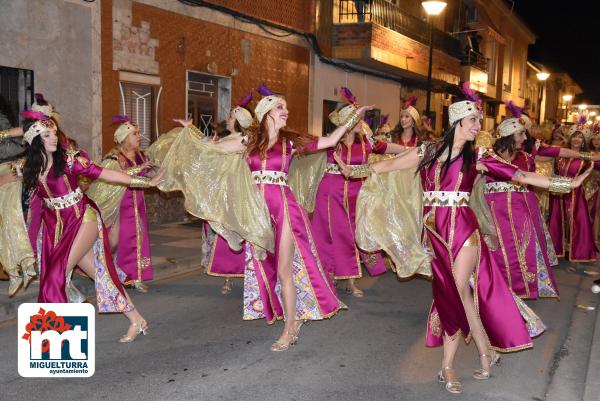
113 236
463 268
288 288
82 255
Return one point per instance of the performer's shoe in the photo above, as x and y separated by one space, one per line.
483 374
227 286
29 274
448 376
140 287
356 292
141 327
596 286
14 283
279 346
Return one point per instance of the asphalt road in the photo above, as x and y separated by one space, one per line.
199 348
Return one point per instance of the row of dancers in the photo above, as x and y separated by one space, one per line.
462 214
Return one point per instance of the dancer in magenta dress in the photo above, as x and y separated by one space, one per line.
291 281
486 310
525 252
223 261
72 232
408 131
335 208
124 209
569 222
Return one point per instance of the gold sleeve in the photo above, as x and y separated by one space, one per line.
389 218
305 175
107 196
218 188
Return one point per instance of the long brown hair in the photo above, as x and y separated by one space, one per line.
583 143
258 138
396 133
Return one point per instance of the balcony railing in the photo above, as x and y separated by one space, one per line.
475 59
384 13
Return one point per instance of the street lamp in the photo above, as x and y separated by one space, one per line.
542 77
566 99
432 8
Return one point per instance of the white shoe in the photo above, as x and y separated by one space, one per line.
596 289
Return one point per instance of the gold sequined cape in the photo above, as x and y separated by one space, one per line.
15 248
107 196
159 148
389 217
218 187
305 175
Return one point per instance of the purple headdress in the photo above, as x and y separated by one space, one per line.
469 93
383 119
582 120
411 101
39 98
120 119
369 121
346 94
243 102
34 115
516 111
264 91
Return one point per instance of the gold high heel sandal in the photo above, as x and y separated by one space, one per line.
279 346
141 327
448 376
483 374
227 286
140 287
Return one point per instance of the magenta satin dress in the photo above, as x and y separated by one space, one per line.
522 253
316 296
413 142
569 220
59 227
223 261
133 251
447 230
334 218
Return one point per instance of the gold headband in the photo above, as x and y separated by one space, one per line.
124 129
37 128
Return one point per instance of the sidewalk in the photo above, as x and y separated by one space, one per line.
175 249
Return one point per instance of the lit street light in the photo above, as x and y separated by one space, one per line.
567 99
432 8
542 77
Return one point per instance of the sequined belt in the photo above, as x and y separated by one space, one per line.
332 168
270 177
64 201
493 187
446 198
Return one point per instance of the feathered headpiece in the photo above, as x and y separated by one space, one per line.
347 94
265 104
240 111
514 109
581 126
125 128
42 105
42 123
339 117
459 110
383 119
245 101
409 107
120 119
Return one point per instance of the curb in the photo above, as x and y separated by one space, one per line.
592 384
573 376
9 307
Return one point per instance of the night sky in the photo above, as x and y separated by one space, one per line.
568 39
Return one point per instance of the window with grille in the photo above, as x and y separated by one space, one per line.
203 95
138 102
16 94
